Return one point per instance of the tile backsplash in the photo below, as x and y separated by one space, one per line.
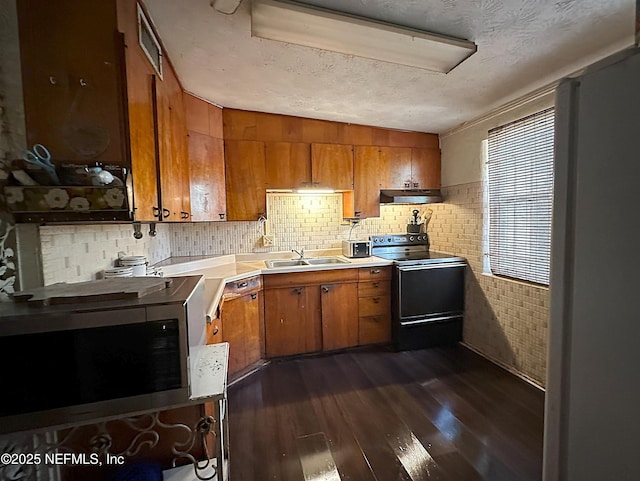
79 252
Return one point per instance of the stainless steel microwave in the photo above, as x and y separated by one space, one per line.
64 366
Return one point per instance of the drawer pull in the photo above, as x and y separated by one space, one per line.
325 289
376 284
376 300
254 295
298 290
216 330
375 271
241 285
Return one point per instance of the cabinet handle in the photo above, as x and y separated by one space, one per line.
165 213
221 216
215 330
156 212
357 213
376 285
254 295
375 271
376 300
416 185
241 285
325 289
407 185
185 215
298 290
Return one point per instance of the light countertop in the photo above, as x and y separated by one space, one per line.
218 270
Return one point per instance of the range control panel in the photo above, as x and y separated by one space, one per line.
399 240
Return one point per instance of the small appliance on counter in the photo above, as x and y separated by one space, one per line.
354 248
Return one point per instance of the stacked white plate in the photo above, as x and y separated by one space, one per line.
137 263
118 272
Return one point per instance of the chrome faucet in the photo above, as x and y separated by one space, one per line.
300 253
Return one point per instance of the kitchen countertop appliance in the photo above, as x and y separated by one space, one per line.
427 291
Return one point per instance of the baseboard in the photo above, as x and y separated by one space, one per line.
504 366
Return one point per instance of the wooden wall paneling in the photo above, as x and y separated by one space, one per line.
292 129
425 168
288 165
197 114
245 179
355 134
339 315
319 131
239 124
332 166
73 97
215 121
207 177
268 127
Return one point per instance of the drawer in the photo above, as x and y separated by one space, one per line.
374 288
242 286
374 329
374 306
296 279
374 273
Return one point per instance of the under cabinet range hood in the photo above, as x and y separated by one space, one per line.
410 196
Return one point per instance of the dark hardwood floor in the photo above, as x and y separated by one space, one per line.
437 414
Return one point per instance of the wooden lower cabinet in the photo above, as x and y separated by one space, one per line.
311 311
374 305
339 316
241 328
292 320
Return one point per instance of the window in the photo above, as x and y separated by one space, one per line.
148 42
520 178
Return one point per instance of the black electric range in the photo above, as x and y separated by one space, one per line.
427 291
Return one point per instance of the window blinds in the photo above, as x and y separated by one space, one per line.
520 175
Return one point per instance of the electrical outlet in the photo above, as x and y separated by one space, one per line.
267 240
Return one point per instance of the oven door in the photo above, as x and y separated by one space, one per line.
429 304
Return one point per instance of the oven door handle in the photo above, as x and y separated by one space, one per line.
439 265
430 319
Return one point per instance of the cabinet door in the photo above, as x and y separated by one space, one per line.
241 329
172 148
368 176
339 315
292 320
398 162
245 179
332 166
288 165
425 168
206 177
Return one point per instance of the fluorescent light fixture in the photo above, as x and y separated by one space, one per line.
295 23
225 6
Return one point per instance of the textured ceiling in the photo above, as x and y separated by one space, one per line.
522 45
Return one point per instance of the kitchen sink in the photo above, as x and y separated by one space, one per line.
327 260
314 261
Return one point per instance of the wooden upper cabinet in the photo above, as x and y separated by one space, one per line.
368 176
398 162
72 77
206 160
288 165
140 97
245 179
173 150
332 166
425 168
